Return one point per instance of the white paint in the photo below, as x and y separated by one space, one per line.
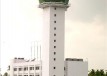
48 49
20 63
76 68
72 68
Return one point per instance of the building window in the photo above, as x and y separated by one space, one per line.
54 40
55 8
54 28
54 21
54 46
37 68
54 67
54 34
54 59
54 75
25 68
20 69
15 69
31 68
54 53
54 15
64 68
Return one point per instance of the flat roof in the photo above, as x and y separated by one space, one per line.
74 59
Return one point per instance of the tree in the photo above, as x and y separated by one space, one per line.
102 73
98 73
5 74
92 73
106 74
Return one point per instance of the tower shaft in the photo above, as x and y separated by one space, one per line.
53 40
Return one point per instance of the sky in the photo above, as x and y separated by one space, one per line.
85 30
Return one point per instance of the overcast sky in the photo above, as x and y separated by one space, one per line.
85 30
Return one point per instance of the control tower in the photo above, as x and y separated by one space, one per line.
53 36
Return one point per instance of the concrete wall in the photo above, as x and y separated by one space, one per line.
49 46
28 64
76 68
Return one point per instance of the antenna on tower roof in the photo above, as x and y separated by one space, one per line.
37 50
34 49
31 51
40 52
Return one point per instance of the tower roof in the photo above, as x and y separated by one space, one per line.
53 4
64 1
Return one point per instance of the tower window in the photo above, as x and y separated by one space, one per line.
54 21
54 28
54 67
54 34
54 59
55 8
64 68
54 53
54 40
54 46
54 15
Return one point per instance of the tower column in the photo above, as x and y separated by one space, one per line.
53 38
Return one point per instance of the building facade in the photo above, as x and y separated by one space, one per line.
76 67
53 38
21 67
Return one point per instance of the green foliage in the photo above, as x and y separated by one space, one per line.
102 73
92 73
64 1
5 74
106 74
97 73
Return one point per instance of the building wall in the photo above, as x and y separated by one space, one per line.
76 68
53 41
28 68
72 68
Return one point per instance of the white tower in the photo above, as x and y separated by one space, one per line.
53 38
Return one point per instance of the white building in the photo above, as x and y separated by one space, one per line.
76 67
21 67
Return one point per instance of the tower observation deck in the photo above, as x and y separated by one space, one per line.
64 1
